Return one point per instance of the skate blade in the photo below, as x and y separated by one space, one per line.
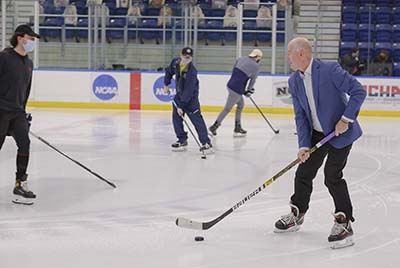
347 242
289 230
211 135
184 149
22 201
239 135
209 151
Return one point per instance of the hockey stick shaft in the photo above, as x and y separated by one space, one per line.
186 223
276 131
73 160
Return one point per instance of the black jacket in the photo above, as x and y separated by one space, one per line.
15 80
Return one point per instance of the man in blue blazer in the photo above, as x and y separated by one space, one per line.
326 98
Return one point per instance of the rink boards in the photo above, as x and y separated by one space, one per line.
144 90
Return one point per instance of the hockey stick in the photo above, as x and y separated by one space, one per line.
190 224
276 131
191 132
76 162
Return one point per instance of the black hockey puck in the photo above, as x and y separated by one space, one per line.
203 157
199 238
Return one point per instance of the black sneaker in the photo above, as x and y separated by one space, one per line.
22 195
179 146
341 234
239 131
290 222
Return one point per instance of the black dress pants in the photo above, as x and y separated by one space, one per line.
333 173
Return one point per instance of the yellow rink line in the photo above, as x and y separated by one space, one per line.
269 110
167 107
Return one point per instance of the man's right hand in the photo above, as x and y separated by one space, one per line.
180 112
166 90
303 155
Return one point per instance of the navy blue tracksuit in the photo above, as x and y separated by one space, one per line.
186 98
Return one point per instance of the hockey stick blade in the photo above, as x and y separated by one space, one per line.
196 225
191 224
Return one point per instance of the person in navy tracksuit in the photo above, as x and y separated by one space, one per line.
186 100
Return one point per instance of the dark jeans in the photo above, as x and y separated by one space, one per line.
16 125
333 171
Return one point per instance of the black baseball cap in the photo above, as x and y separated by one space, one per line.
26 29
187 51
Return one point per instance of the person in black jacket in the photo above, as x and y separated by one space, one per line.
15 86
351 62
186 100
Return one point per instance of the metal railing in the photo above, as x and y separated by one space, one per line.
182 31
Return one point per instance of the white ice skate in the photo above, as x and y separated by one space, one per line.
290 222
341 234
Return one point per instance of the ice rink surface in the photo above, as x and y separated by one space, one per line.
79 221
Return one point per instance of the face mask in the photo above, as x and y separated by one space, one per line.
29 46
185 61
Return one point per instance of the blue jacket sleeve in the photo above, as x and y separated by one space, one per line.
346 83
169 72
302 124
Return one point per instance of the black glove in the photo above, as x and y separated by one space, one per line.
29 118
248 92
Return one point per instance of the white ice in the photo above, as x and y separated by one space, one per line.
79 221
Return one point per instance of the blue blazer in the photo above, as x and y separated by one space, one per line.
336 94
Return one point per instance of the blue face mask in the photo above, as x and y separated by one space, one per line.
29 46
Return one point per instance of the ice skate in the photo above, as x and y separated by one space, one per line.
341 234
239 131
22 195
207 148
213 129
290 222
179 146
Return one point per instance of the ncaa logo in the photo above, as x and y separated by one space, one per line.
105 87
158 90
